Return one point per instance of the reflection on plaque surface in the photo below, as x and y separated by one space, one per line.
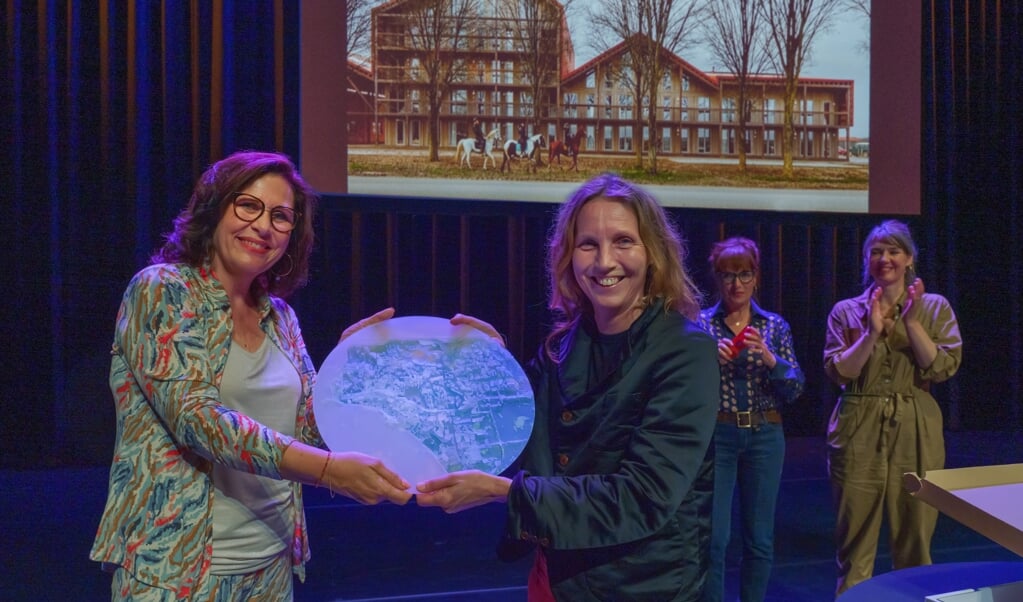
425 397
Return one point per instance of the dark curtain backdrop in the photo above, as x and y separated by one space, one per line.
109 111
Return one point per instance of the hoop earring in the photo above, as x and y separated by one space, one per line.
291 267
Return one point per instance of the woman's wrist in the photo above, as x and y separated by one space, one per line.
323 471
304 464
500 489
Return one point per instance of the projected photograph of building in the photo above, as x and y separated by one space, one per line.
511 62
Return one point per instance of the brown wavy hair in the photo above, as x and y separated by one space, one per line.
667 277
191 240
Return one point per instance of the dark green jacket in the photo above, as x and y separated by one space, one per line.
615 482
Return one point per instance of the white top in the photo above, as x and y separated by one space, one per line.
251 513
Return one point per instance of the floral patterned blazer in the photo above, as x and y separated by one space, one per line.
171 343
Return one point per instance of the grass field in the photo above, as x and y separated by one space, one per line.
826 176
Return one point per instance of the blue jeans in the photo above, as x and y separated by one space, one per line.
751 458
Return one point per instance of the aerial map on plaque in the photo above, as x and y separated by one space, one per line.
426 397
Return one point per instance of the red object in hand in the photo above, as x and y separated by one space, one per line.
739 341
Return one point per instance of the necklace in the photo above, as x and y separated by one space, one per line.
739 321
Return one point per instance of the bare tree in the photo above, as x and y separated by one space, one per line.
359 21
537 38
860 6
792 26
735 36
653 31
435 32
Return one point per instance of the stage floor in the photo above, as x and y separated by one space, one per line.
410 553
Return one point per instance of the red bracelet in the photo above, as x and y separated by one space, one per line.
319 481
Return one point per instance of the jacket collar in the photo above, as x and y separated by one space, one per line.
211 288
718 310
863 300
577 347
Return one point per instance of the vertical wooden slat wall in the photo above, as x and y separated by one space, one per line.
432 262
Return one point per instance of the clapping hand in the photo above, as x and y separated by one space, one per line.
914 294
876 315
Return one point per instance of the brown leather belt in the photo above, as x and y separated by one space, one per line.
745 420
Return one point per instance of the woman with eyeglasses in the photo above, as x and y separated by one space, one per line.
884 348
212 386
759 373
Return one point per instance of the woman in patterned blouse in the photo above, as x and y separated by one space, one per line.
759 373
213 389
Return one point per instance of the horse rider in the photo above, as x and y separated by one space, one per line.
522 139
567 136
477 130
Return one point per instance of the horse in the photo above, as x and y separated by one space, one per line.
467 146
533 145
569 147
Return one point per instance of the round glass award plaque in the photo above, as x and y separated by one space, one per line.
425 397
